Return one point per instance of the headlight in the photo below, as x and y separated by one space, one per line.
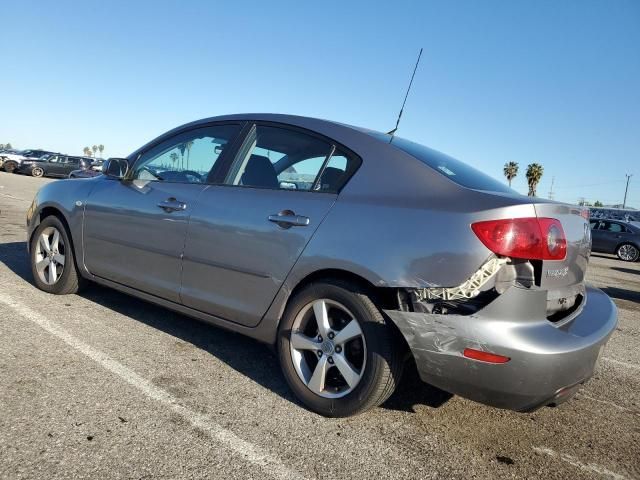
27 162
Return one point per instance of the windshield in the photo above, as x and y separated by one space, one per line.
455 170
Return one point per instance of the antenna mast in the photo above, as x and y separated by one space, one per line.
392 132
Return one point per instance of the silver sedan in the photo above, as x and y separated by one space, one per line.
348 250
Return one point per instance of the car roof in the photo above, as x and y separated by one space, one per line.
350 136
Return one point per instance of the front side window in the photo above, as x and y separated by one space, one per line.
188 157
280 158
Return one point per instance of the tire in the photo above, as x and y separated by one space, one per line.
628 252
67 282
10 167
374 356
37 172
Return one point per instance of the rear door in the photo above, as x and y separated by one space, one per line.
246 234
135 229
70 164
55 165
598 236
615 234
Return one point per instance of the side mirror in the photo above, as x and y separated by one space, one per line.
115 167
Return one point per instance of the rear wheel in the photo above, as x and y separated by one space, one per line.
628 252
37 172
9 167
337 353
52 258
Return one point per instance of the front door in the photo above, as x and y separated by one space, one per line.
135 229
245 236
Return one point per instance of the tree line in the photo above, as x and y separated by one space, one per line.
91 151
5 146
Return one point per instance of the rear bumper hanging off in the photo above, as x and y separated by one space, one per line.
547 361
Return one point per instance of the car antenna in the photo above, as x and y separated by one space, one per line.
392 132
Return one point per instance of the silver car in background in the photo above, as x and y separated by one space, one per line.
349 250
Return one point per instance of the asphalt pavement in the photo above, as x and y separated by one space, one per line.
102 385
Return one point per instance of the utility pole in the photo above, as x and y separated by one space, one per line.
551 190
624 202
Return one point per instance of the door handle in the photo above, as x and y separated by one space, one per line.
172 205
288 219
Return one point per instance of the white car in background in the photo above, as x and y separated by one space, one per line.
5 153
12 161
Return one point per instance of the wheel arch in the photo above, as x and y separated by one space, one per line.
385 298
49 211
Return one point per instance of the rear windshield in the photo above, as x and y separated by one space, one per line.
455 170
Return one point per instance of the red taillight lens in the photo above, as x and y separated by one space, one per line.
484 356
530 238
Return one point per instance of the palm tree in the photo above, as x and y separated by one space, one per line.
101 149
86 151
174 158
510 171
188 146
94 149
182 147
534 174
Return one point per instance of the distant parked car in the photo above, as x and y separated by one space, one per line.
53 165
13 161
616 236
96 164
5 153
85 173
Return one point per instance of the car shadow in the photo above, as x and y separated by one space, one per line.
626 270
604 255
622 294
245 355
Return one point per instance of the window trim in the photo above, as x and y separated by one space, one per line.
335 146
174 134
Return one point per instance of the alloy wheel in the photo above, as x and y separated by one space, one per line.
50 256
628 253
328 348
37 172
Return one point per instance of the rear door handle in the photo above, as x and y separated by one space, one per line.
288 219
172 205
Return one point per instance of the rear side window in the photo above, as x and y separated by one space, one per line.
613 227
455 170
288 159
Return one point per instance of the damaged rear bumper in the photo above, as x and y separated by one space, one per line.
547 361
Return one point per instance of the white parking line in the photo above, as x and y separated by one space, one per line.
587 467
249 452
12 197
606 402
623 364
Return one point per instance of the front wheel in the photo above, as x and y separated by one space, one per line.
52 258
628 252
337 353
37 172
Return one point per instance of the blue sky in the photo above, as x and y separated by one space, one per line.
555 82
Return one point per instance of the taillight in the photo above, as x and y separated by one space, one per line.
530 238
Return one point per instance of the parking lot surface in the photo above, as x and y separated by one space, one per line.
102 385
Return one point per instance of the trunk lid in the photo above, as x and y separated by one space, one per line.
571 270
564 279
